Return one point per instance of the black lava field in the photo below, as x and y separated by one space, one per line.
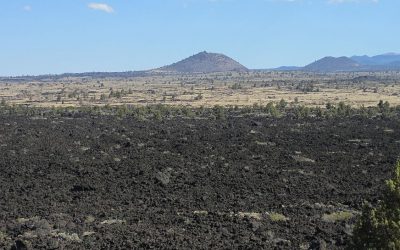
245 182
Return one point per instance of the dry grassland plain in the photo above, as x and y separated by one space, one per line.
225 89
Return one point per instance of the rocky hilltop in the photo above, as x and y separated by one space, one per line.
205 62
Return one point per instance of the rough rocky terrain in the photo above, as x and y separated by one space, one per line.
248 182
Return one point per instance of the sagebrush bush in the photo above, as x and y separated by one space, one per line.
379 227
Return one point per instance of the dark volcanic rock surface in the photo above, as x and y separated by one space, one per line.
250 182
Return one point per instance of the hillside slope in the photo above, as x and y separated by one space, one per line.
205 62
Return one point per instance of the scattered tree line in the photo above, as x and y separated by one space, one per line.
160 111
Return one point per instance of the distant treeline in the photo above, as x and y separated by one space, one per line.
161 112
93 75
79 75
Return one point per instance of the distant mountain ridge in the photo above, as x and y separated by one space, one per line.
332 64
384 59
388 61
205 62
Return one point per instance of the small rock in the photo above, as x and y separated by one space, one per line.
299 158
225 231
269 235
348 229
89 219
86 234
255 225
304 246
256 123
281 242
19 245
112 221
53 244
163 178
318 244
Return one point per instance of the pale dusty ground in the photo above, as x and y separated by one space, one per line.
215 89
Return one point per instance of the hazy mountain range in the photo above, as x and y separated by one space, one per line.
389 61
205 62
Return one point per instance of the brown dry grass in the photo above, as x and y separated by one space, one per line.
215 89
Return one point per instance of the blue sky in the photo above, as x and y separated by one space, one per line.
56 36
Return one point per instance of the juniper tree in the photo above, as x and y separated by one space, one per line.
379 227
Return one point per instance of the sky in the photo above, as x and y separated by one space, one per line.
58 36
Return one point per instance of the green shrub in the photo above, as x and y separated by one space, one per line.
282 104
302 111
187 112
318 112
271 109
219 112
3 103
157 115
379 227
275 217
343 110
338 216
384 107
